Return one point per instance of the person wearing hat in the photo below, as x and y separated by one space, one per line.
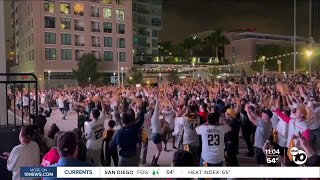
27 153
68 151
232 138
263 131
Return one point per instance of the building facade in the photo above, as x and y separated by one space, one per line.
51 36
243 45
147 22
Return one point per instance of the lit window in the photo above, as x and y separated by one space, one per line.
50 53
50 38
121 43
50 22
66 54
107 13
65 8
107 1
107 41
65 39
121 28
108 56
95 11
49 6
78 9
65 23
122 56
107 27
120 15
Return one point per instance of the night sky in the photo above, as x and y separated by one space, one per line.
184 17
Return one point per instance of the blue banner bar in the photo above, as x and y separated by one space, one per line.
38 172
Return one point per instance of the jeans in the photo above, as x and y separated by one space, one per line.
131 161
142 151
65 114
210 165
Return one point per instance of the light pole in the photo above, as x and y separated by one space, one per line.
49 79
193 70
114 76
122 76
160 77
309 54
263 58
279 66
89 79
118 58
294 36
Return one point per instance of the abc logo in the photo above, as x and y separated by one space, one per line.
299 156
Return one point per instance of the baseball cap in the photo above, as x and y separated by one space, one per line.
231 112
67 143
268 112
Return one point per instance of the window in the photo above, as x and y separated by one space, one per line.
96 55
50 53
32 54
120 15
79 40
66 54
154 43
79 54
107 14
49 6
50 38
121 28
119 2
78 9
107 27
79 25
121 43
233 49
65 8
50 22
65 39
107 41
122 56
108 55
154 33
95 11
95 41
155 51
65 23
107 1
95 26
155 22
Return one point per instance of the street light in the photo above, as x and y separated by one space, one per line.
114 75
263 58
49 79
89 79
309 54
160 77
130 78
193 70
122 75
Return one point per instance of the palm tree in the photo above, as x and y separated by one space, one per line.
216 40
190 44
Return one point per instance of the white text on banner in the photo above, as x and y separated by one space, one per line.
188 172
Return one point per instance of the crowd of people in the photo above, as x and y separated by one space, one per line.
202 119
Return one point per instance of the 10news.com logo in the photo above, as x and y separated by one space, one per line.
299 156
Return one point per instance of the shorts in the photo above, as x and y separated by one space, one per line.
260 156
156 138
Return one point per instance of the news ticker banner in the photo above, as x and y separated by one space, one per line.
171 172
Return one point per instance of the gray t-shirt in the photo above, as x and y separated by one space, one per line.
263 133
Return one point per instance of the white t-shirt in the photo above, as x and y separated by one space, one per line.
169 117
93 133
60 103
25 100
190 135
23 155
212 142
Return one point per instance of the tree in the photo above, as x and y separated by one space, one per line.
213 71
165 47
87 72
134 77
173 77
216 40
190 44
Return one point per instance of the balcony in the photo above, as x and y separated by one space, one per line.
95 41
79 40
79 25
95 30
95 45
95 14
95 26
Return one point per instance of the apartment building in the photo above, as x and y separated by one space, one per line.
51 36
147 22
